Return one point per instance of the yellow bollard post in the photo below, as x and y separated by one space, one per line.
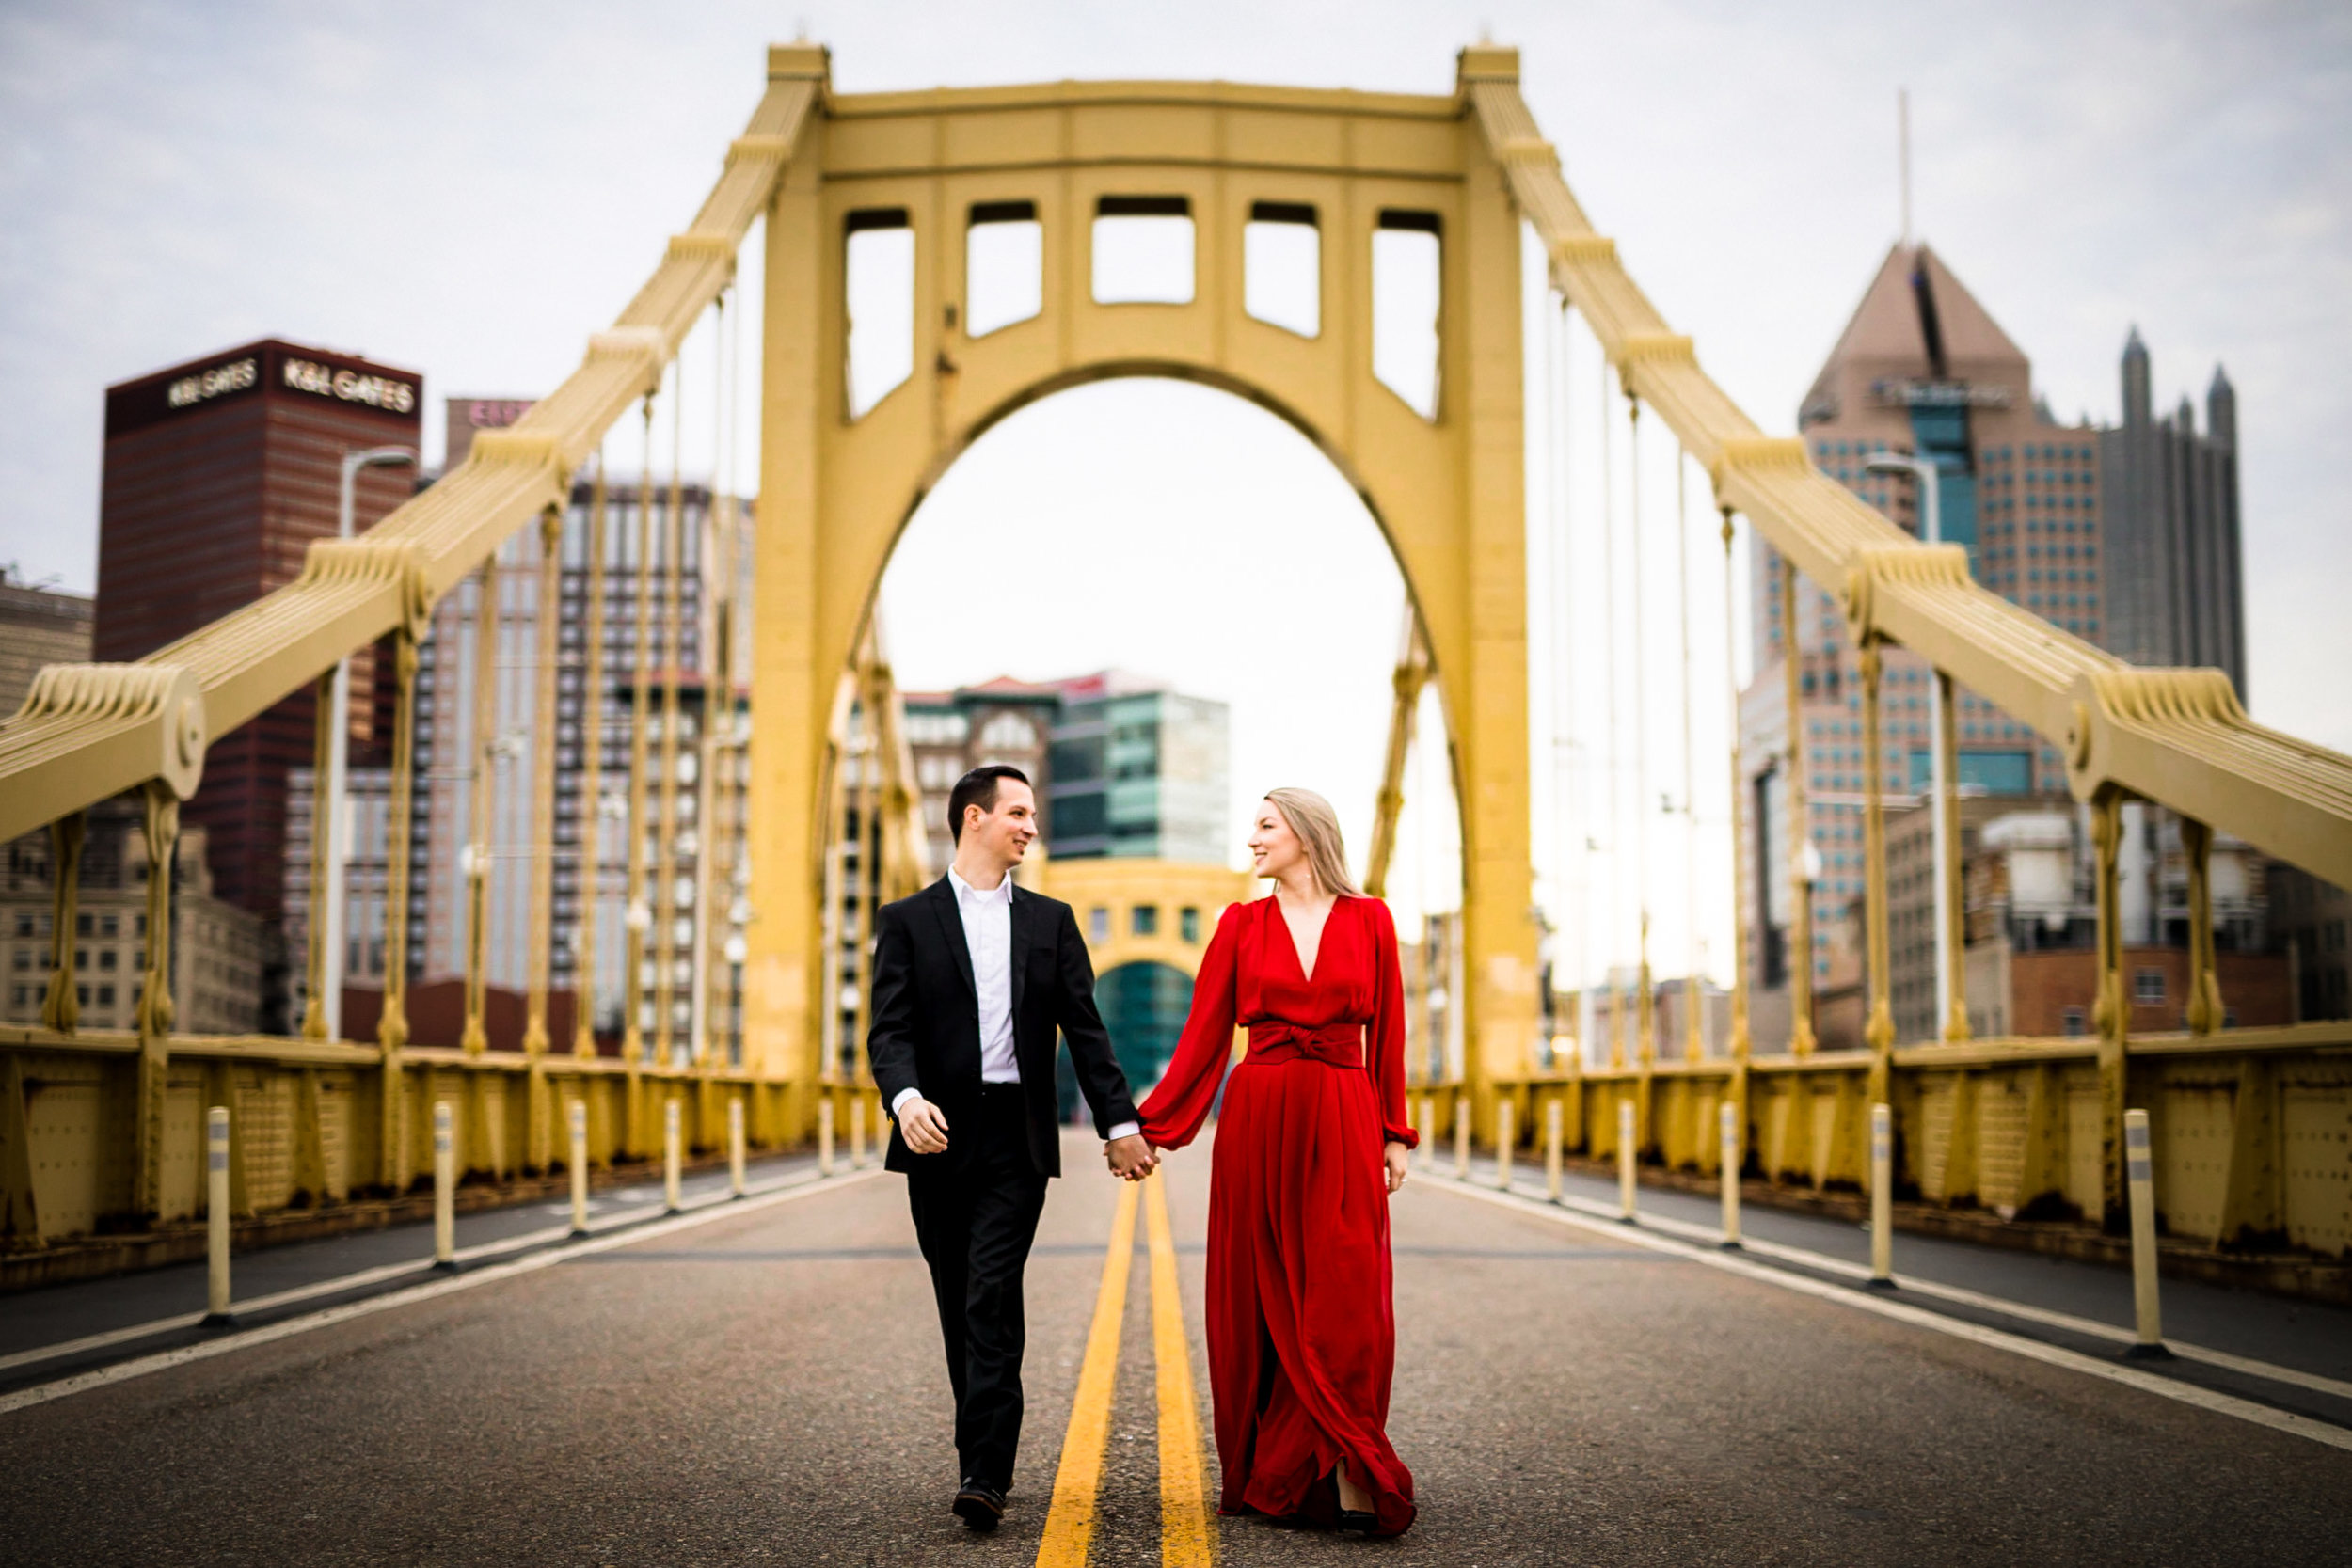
824 1136
1506 1135
1552 1148
735 1145
670 1152
857 1132
444 1189
1628 1211
1881 1197
580 1168
1428 1130
1728 1121
2140 1172
217 1216
1461 1136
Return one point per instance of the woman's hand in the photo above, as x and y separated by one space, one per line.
1396 1157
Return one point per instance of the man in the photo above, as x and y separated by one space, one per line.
971 978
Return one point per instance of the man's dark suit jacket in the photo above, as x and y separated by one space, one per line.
926 1029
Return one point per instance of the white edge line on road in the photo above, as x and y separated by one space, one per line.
41 1393
1918 1317
2268 1370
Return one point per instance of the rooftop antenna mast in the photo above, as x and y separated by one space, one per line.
1902 153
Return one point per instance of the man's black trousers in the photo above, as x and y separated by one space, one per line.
974 1226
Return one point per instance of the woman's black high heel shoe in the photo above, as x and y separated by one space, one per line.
1363 1521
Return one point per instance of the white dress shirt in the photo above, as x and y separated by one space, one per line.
988 937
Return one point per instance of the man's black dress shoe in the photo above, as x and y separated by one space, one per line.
979 1504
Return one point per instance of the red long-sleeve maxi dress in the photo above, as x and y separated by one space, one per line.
1302 1333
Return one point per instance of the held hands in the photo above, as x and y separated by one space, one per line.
922 1126
1130 1158
1396 1157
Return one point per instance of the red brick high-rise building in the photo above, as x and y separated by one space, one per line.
218 474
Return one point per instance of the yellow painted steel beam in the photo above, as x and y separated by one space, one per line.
89 730
1412 674
2179 737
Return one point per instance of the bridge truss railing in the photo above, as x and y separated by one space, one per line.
319 1120
1998 1140
2178 738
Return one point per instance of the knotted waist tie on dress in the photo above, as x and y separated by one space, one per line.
1340 1044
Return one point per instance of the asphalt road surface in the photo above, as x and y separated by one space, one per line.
765 1386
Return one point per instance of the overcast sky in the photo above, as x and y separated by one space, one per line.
467 190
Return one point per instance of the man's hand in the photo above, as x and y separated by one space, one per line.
922 1126
1131 1159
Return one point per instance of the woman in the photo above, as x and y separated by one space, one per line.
1302 1336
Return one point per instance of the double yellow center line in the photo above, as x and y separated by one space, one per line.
1184 1504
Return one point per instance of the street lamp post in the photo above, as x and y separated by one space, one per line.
1942 768
328 901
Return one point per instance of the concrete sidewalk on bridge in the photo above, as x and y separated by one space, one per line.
2308 1336
58 1315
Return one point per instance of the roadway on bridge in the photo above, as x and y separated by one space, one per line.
765 1386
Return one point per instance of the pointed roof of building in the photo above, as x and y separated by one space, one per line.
1916 321
1006 686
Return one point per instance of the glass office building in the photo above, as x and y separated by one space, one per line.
1138 770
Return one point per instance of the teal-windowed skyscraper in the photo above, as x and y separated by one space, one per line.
1138 770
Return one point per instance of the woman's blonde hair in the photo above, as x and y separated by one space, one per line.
1317 825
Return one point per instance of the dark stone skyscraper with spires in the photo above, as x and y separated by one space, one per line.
2174 581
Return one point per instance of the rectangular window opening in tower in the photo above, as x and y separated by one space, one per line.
1004 266
1407 306
878 300
1143 251
1283 266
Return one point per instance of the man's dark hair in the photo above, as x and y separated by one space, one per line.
978 788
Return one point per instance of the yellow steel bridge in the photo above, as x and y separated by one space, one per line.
1986 1122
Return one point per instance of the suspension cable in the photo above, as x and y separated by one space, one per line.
1692 1041
1611 903
1572 844
1645 1038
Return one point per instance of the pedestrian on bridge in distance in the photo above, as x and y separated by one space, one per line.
971 978
1311 1141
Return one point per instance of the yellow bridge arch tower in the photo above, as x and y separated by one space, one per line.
1445 489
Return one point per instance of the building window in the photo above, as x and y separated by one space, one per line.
1189 922
2074 1023
1098 925
1144 920
105 996
2147 987
1008 731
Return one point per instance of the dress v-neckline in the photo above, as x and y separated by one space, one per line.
1306 969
